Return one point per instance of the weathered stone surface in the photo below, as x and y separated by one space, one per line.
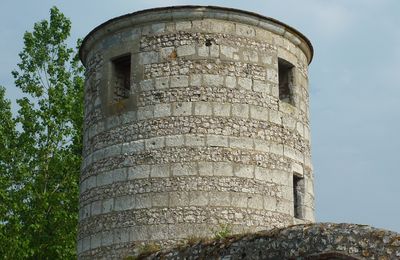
311 241
200 137
258 129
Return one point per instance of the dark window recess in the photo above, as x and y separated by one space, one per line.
285 71
122 77
298 195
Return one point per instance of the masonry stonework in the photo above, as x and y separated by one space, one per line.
320 241
193 135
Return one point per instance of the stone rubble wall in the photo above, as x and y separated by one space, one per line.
312 241
203 138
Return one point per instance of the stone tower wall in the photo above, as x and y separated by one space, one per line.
200 137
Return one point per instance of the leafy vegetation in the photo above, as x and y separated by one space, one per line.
40 148
224 231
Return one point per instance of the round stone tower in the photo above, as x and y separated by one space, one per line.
196 120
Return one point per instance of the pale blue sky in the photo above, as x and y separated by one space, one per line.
355 90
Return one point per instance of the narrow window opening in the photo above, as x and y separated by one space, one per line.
285 71
121 77
298 194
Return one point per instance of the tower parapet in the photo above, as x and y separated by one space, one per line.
195 117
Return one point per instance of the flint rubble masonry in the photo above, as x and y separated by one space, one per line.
187 128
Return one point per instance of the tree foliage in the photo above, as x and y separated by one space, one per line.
40 148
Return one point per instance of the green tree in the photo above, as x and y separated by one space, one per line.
40 148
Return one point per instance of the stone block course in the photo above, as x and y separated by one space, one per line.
175 140
255 202
213 80
250 56
222 109
222 169
149 57
160 199
186 50
205 168
112 122
184 25
86 244
107 238
124 203
96 208
262 145
203 51
119 175
239 200
179 81
228 52
202 108
142 201
108 205
230 82
196 80
195 140
285 206
215 51
240 110
91 182
217 140
138 172
167 53
162 83
182 109
244 171
178 199
154 143
266 185
198 198
219 199
95 241
162 110
145 112
153 28
105 178
260 86
245 30
180 169
259 113
245 83
183 154
192 214
241 143
160 171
